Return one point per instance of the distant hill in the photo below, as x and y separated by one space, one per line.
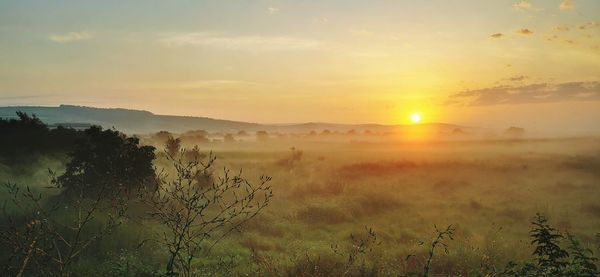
139 122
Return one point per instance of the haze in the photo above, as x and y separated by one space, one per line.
533 64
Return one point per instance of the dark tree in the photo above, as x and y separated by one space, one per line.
107 161
173 146
228 138
20 137
262 136
161 137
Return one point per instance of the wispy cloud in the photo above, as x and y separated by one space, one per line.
524 31
589 25
201 84
373 35
566 5
237 42
517 78
532 93
321 19
561 28
272 10
71 37
522 5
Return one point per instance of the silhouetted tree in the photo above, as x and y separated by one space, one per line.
262 136
173 146
228 138
293 159
107 159
26 135
161 137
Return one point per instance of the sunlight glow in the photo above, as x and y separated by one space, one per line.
415 118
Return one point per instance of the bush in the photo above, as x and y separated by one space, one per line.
550 259
107 161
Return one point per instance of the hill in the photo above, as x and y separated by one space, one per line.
139 121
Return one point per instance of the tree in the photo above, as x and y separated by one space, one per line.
107 161
228 138
173 146
193 211
25 135
161 137
262 136
294 158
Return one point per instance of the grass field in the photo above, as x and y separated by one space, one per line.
488 190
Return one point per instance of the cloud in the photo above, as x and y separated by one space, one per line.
522 5
517 78
497 35
272 10
562 28
373 35
589 25
71 37
244 42
524 31
566 5
320 19
200 84
531 93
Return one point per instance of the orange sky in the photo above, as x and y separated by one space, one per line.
534 64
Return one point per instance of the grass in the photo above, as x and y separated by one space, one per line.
488 191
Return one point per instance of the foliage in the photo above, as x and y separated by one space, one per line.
107 161
173 146
193 212
359 246
229 138
550 259
438 240
49 236
294 158
262 136
29 135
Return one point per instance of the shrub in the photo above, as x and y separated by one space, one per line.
550 259
191 212
107 162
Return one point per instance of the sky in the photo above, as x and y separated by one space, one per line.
493 63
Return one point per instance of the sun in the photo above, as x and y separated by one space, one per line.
415 118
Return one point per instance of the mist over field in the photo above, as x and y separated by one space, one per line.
300 138
353 202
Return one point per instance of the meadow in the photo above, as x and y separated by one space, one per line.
488 190
368 208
